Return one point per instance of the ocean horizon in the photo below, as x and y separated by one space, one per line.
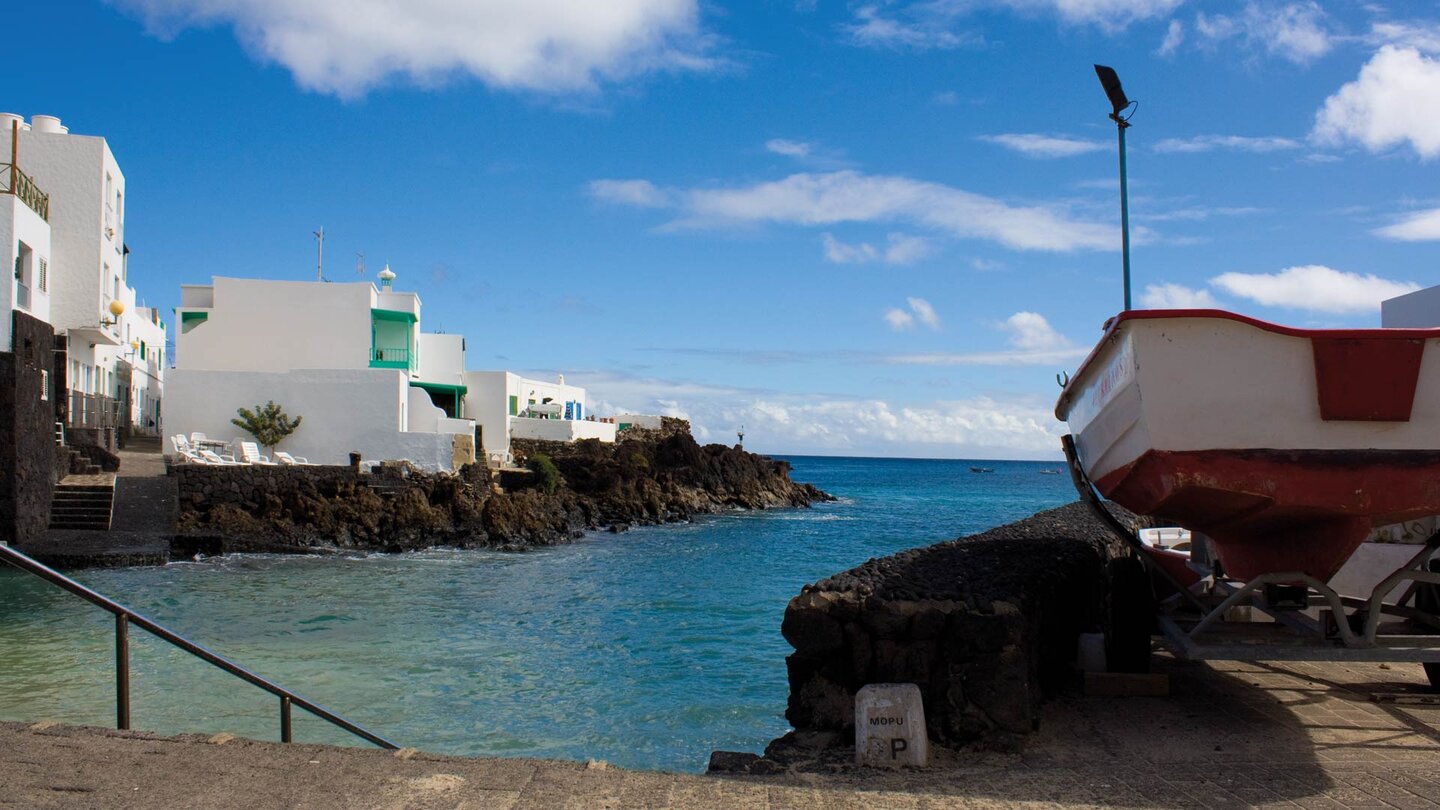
647 649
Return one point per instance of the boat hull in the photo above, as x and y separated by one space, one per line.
1284 446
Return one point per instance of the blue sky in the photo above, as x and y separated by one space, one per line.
856 228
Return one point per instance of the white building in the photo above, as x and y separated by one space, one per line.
24 241
348 358
1416 310
507 406
90 301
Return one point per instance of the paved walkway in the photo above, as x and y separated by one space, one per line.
143 521
1230 735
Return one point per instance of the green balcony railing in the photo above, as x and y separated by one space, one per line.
13 181
384 357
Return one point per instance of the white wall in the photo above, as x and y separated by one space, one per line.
1417 310
442 359
87 240
485 402
346 410
258 325
640 420
20 224
560 430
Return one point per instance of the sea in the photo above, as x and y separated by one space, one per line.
647 649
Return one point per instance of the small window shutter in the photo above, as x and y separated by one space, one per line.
44 275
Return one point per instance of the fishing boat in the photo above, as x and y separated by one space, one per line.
1278 449
982 469
1284 446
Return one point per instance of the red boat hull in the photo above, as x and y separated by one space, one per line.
1269 511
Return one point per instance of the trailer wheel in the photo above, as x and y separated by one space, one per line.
1129 615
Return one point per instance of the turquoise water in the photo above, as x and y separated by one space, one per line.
647 649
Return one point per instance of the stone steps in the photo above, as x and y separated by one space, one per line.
83 505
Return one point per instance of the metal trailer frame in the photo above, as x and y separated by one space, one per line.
1349 628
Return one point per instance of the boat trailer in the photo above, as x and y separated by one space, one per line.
1308 619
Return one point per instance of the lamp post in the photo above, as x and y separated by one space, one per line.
1119 104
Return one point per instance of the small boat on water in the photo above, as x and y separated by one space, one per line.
1049 472
1284 446
982 470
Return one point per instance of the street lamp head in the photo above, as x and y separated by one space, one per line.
1113 91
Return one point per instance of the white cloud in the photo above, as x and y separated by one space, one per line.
1314 287
1108 15
1296 31
1243 143
924 312
906 249
899 319
1043 146
1174 38
1031 332
920 312
1421 226
642 193
902 249
1033 342
848 196
780 146
347 48
1420 36
872 29
1392 102
809 422
1176 296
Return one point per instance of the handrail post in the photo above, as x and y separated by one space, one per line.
285 736
122 672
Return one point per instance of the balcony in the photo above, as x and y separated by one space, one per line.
93 411
13 181
398 358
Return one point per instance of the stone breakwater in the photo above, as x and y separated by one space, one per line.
649 477
985 625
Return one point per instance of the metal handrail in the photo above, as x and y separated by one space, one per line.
125 616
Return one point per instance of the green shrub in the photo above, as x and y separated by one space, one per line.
267 423
547 475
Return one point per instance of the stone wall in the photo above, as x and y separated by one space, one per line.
986 626
203 488
27 432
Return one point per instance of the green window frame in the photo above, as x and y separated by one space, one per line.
514 405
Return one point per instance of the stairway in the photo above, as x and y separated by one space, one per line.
83 502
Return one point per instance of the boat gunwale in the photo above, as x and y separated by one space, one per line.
1062 405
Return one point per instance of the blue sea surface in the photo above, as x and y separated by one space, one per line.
647 649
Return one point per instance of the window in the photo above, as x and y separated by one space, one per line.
44 275
24 263
514 405
44 385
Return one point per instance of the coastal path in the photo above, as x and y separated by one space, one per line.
1230 735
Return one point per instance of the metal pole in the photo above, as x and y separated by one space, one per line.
319 253
122 672
285 735
1124 211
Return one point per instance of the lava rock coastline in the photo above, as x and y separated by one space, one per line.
648 477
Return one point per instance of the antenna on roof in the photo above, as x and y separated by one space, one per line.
319 252
359 262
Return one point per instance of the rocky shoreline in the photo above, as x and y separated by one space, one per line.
646 478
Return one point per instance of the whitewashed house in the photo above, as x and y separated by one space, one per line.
349 358
84 278
507 406
24 240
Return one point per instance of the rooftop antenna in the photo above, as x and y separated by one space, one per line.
1119 103
319 252
359 262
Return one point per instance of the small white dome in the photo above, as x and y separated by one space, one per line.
387 274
